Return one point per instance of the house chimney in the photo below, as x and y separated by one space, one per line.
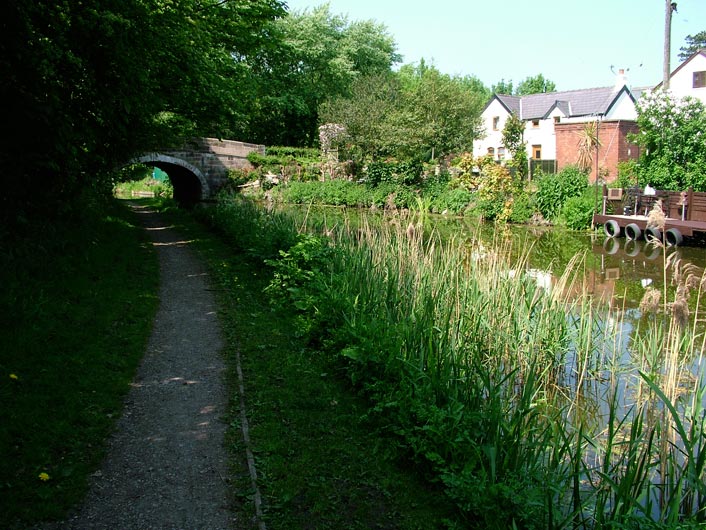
621 79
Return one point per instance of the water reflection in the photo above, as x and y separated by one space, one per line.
615 270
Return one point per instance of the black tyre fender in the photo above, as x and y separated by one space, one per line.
652 232
633 232
673 237
611 228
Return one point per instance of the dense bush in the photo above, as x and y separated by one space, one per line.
522 208
347 193
453 201
495 191
148 184
249 228
673 151
394 173
553 190
577 212
300 153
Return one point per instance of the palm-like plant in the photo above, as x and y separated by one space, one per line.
588 144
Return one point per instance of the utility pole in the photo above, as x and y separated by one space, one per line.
669 7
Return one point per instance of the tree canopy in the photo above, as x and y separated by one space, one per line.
671 140
319 56
88 85
534 85
537 84
417 112
693 44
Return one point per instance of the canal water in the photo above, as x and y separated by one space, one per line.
616 273
616 270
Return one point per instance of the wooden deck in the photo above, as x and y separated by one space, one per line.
686 228
685 212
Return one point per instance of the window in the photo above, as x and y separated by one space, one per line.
496 122
535 123
700 79
557 119
501 153
537 152
491 151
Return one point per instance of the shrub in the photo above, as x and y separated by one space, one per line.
522 208
554 189
454 201
394 172
495 186
577 212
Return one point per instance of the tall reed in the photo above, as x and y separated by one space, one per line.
513 394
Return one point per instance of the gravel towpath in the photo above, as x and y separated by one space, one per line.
166 464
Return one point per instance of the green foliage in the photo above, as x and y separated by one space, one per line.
371 115
495 190
342 472
238 177
553 190
298 278
577 211
318 57
301 154
693 44
522 207
535 85
407 173
503 87
330 192
417 113
267 162
96 83
673 150
78 300
454 201
627 174
158 188
255 232
442 112
466 371
531 85
513 140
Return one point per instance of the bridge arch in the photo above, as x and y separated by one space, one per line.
189 182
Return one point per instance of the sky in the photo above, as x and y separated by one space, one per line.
576 44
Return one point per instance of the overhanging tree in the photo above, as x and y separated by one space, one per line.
88 85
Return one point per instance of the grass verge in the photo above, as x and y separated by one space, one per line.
321 463
78 302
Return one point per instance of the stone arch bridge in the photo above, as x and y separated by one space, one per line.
200 168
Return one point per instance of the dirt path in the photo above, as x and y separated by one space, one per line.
166 464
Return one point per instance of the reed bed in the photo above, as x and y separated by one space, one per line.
513 395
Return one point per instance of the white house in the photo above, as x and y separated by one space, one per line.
689 79
543 112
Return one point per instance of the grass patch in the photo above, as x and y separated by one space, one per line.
322 462
78 302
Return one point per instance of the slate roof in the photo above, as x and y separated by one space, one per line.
573 103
